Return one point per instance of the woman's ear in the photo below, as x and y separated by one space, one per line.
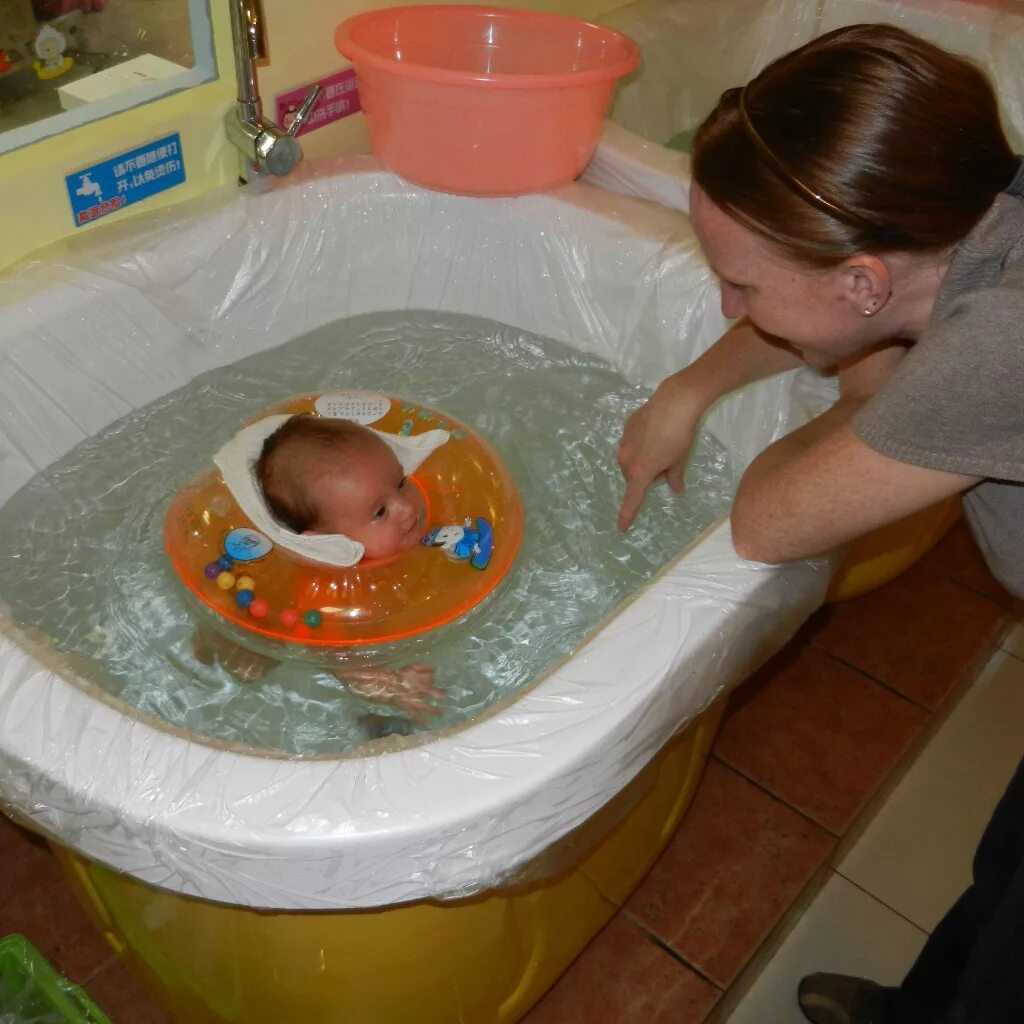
866 283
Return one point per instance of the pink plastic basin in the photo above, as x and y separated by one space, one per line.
484 101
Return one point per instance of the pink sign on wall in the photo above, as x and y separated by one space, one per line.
339 98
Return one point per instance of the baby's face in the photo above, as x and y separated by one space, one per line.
371 501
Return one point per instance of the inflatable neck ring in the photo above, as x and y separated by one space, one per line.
472 532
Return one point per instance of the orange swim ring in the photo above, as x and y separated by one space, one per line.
472 532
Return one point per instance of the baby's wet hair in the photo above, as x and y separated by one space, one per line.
288 453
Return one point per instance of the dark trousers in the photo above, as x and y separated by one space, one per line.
971 970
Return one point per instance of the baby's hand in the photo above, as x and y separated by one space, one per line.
408 688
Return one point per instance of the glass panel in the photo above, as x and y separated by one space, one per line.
65 62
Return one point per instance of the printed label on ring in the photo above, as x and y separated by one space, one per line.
247 545
359 406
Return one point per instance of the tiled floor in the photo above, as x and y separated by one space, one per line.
727 878
913 860
846 931
806 745
916 853
818 734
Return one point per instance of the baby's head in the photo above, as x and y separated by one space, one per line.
324 475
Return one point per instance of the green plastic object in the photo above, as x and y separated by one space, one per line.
32 992
683 141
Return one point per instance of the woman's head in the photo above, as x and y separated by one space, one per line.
844 171
899 139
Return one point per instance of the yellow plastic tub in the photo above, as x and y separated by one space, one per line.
881 556
484 960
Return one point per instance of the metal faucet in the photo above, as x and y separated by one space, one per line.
265 145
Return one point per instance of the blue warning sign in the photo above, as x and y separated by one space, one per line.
125 179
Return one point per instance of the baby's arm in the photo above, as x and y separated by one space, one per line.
408 688
244 665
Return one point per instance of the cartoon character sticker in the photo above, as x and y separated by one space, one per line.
471 542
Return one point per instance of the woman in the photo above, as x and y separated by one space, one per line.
864 213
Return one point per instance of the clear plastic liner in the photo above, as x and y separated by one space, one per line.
693 50
118 319
631 165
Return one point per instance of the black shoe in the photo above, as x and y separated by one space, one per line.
840 999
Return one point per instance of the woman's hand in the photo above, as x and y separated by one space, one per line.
657 438
656 442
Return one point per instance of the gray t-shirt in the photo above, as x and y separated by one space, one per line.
956 402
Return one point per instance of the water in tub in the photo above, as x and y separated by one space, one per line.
82 563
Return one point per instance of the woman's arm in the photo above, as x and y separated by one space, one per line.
657 438
741 356
821 486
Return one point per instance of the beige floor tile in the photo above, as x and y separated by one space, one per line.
915 856
844 930
1014 642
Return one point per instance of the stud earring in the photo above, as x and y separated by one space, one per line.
869 312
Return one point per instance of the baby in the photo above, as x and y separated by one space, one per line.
323 475
333 476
